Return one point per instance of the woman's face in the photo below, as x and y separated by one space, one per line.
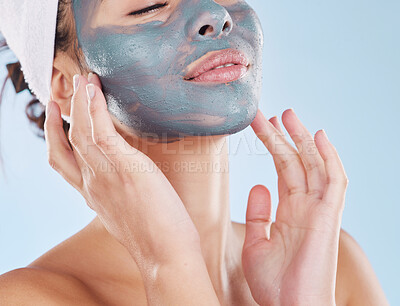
145 62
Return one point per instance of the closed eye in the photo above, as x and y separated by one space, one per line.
149 9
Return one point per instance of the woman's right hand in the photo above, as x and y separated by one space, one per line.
131 196
140 208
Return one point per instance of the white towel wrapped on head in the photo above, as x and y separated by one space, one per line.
29 27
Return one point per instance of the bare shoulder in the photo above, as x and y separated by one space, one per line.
356 282
73 273
34 286
47 280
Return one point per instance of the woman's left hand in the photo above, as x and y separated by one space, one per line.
293 261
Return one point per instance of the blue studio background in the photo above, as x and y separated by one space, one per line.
335 62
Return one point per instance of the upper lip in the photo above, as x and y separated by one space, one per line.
215 59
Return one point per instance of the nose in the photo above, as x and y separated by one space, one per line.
210 20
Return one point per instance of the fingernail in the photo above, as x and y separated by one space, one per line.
91 91
323 132
90 76
76 82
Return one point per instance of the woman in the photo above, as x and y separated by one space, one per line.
178 77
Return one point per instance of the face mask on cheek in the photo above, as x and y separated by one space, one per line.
143 67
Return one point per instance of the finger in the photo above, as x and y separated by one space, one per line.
80 134
282 188
337 181
275 122
94 79
287 160
313 162
60 156
104 134
258 216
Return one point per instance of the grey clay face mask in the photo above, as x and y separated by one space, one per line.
142 68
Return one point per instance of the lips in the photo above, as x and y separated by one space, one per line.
218 67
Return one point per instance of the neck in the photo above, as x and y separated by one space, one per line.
198 169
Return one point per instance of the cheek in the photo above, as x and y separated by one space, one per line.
135 68
119 55
248 24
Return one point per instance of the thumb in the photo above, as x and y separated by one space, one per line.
258 216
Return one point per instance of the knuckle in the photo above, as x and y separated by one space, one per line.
87 174
267 138
342 180
93 108
52 161
298 139
333 148
73 137
318 193
311 165
332 152
100 141
295 190
90 205
285 163
127 180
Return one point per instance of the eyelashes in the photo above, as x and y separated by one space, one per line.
148 10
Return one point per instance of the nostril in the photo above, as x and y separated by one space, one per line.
227 27
209 30
206 29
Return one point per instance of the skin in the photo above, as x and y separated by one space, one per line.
145 89
73 272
